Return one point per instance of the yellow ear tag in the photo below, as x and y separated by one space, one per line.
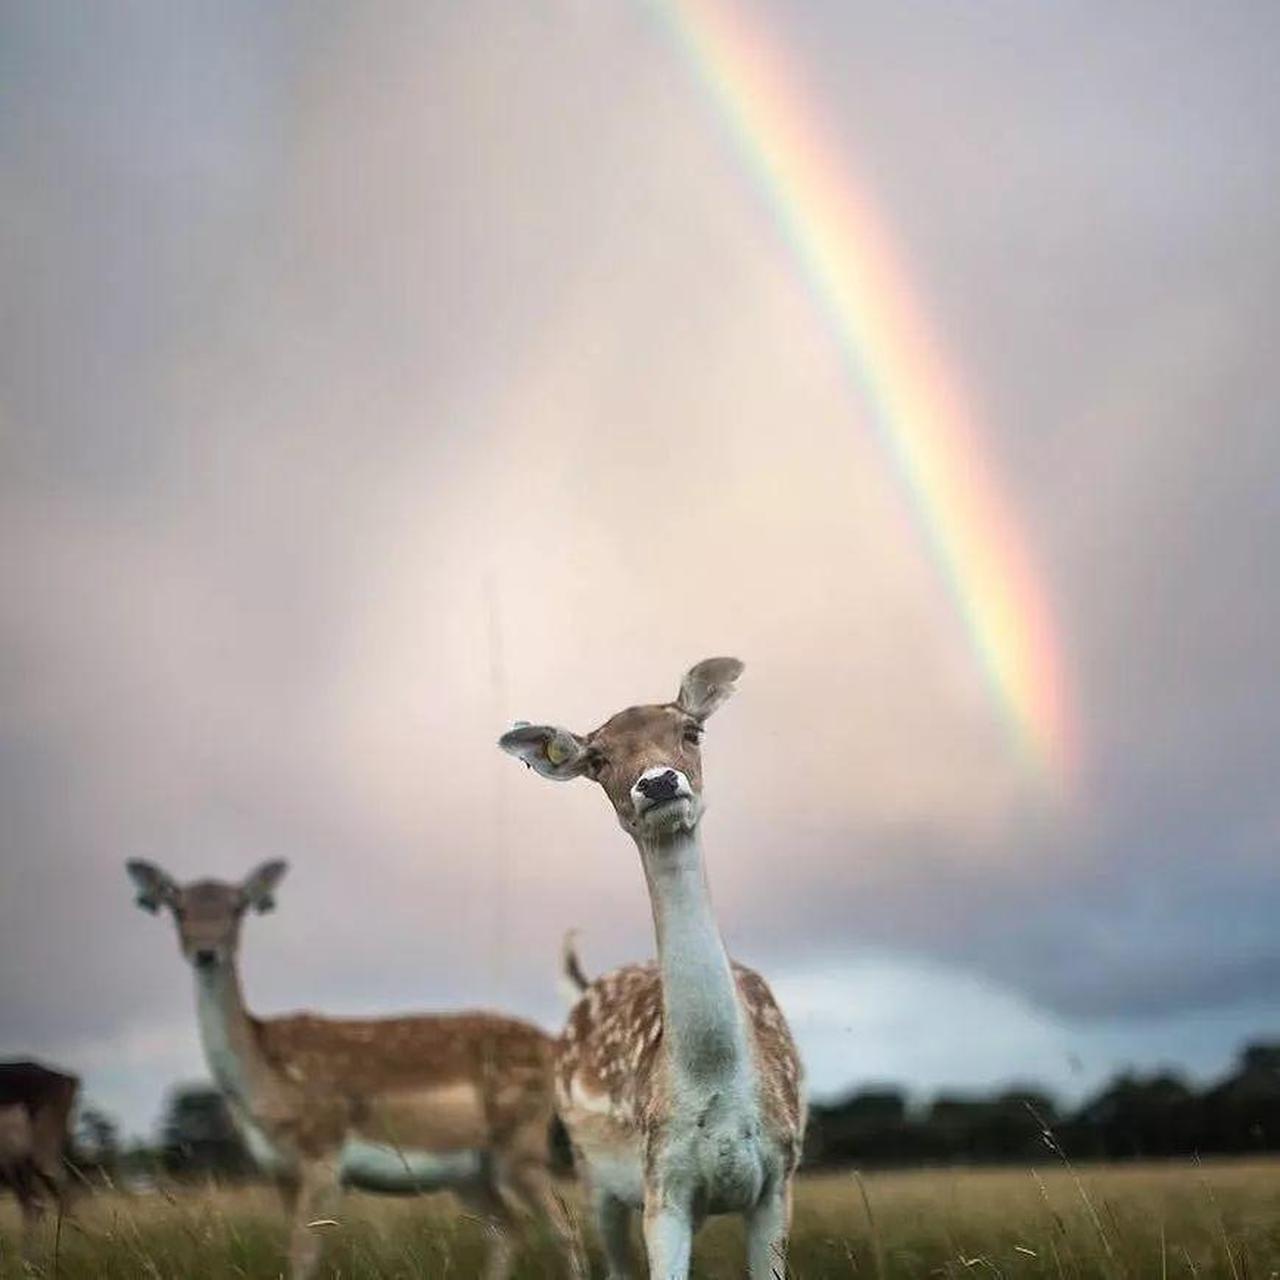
557 752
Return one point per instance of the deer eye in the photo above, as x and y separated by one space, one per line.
692 733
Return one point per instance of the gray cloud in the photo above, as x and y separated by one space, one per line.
365 384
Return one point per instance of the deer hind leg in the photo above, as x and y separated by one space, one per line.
317 1197
522 1172
32 1214
485 1201
532 1184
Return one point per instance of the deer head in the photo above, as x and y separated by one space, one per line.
646 758
207 912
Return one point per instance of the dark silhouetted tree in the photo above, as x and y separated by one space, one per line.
1133 1117
199 1137
95 1144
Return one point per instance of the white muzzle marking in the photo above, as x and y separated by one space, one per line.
658 788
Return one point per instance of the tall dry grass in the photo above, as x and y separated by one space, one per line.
1220 1219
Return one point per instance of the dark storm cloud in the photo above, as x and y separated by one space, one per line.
1152 920
368 382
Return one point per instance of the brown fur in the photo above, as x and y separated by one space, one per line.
386 1053
610 1050
36 1104
641 738
386 1078
432 1083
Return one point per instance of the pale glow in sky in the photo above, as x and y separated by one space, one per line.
373 379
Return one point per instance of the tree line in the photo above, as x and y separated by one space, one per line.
1133 1117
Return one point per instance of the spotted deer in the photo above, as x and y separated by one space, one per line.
462 1101
678 1082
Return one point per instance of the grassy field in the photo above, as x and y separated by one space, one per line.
1221 1219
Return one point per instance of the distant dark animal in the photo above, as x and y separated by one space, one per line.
35 1122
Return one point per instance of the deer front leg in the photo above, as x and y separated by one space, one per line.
32 1212
613 1225
768 1224
287 1188
668 1235
318 1194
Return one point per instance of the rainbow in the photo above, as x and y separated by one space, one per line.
855 273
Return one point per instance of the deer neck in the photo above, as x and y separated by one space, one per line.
227 1032
703 1027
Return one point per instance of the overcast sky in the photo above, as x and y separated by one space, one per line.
373 376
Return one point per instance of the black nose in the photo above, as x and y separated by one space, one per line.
206 959
662 786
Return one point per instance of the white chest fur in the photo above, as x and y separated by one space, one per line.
714 1148
226 1066
215 1036
713 1152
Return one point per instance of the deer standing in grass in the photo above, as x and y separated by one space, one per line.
679 1083
400 1105
36 1106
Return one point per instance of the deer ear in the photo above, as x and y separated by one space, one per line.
553 752
707 685
259 885
155 888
